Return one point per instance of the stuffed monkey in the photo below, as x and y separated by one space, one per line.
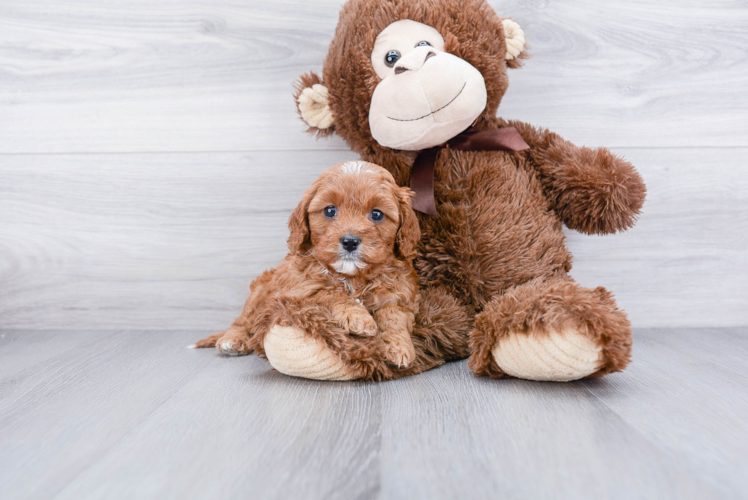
415 86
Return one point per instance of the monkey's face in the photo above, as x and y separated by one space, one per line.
426 96
406 75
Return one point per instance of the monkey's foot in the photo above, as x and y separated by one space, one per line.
552 330
291 351
552 356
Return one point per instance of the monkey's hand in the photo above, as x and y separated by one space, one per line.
592 190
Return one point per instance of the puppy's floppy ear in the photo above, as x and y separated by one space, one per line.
313 104
516 45
409 233
299 238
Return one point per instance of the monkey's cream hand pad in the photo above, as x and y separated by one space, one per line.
552 356
426 96
293 352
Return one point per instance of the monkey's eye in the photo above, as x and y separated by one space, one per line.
423 43
391 58
330 212
377 215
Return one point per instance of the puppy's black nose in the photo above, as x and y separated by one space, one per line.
350 243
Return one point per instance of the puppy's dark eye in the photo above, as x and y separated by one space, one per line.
423 43
391 58
377 215
330 212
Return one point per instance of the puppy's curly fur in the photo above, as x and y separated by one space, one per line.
370 291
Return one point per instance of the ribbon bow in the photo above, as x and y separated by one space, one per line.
422 174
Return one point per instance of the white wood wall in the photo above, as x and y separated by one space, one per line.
150 152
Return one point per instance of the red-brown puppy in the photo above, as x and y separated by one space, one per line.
352 242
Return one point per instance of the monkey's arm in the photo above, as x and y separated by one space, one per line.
592 190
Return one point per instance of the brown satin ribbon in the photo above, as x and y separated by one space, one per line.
422 174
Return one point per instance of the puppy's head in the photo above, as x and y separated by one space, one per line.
355 217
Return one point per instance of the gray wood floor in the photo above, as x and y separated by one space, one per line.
133 414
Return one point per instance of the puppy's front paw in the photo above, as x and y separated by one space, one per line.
359 322
400 352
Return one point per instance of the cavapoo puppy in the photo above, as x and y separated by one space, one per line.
349 272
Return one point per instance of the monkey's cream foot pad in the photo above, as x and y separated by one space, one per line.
552 356
293 352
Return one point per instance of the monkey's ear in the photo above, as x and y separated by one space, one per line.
515 43
312 102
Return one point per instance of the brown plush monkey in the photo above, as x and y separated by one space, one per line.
402 82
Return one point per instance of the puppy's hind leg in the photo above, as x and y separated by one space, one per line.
209 341
232 342
236 340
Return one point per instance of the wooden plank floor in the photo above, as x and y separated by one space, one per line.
133 414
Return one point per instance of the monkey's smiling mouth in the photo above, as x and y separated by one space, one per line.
433 112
